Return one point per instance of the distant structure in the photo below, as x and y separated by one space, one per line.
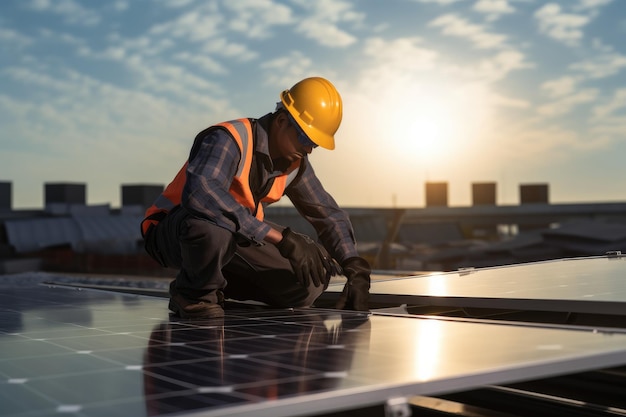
140 194
484 194
65 193
533 194
5 196
436 194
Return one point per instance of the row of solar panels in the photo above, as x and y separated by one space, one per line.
93 352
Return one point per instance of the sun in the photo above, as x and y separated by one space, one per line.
432 122
428 134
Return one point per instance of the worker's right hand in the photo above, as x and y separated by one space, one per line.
355 294
308 259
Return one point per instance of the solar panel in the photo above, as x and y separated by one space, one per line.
96 353
583 285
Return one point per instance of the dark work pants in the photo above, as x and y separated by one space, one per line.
208 258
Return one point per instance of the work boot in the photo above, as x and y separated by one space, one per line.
208 308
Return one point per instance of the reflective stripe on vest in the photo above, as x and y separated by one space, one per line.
241 132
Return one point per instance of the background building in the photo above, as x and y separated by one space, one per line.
69 235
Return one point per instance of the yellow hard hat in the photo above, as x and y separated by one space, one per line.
316 106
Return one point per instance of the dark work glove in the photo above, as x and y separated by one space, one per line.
308 259
355 294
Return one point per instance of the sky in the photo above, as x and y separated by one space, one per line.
109 93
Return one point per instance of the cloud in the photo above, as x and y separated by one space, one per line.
176 60
410 56
120 5
13 38
256 18
32 77
109 126
453 25
175 4
497 67
72 11
109 53
64 38
563 27
601 66
124 50
567 27
590 4
600 46
502 101
153 74
493 8
197 25
560 86
326 33
285 70
440 2
567 103
205 63
403 54
409 59
324 22
531 143
614 104
174 81
234 50
205 26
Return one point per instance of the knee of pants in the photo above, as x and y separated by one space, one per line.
204 247
204 233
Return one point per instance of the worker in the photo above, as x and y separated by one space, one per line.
209 221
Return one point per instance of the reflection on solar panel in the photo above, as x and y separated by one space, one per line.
589 285
96 353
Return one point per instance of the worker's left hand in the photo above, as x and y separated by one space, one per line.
355 295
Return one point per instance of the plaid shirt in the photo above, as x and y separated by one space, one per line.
212 167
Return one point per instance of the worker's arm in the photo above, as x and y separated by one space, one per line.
335 231
210 172
273 236
318 207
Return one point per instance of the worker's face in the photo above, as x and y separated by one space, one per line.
289 142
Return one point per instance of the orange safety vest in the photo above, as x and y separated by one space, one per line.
241 131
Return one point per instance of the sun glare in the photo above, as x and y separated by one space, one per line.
413 128
426 135
433 123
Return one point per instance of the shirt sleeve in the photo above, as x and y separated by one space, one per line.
319 208
206 194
